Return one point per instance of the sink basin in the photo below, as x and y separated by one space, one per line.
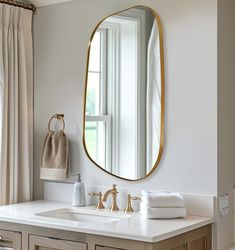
86 216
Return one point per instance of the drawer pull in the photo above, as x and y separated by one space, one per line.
53 238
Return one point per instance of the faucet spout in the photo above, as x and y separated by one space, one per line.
106 195
114 193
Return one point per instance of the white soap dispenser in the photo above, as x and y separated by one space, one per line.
78 199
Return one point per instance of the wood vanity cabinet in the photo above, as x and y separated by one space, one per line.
25 237
198 239
10 240
45 243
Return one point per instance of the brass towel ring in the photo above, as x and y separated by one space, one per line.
58 117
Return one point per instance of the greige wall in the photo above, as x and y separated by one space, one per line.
226 115
61 35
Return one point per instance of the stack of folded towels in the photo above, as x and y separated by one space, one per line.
162 205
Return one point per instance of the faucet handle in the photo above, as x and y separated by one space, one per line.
100 204
129 208
115 189
135 198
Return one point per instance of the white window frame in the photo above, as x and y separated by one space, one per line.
106 119
139 17
110 88
113 93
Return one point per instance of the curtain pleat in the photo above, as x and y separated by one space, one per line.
153 97
16 104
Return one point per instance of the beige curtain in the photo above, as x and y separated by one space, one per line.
16 104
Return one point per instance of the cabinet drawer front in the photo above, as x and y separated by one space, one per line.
9 239
198 239
44 243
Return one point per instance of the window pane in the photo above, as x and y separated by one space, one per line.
91 139
94 62
101 135
95 141
93 94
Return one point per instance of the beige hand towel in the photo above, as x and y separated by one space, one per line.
55 158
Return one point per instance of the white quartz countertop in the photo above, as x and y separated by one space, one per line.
133 227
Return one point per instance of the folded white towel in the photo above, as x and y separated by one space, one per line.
162 199
162 212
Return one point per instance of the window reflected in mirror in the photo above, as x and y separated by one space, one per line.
123 123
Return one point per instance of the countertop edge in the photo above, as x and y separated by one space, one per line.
150 239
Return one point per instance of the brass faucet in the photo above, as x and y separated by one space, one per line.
129 208
114 193
100 203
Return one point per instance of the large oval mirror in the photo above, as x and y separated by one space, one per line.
124 94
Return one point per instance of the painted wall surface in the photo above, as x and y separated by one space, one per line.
40 3
226 117
189 161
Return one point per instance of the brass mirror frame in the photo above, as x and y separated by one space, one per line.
162 92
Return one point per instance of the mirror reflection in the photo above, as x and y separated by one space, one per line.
123 126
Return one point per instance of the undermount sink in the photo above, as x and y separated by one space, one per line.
85 216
